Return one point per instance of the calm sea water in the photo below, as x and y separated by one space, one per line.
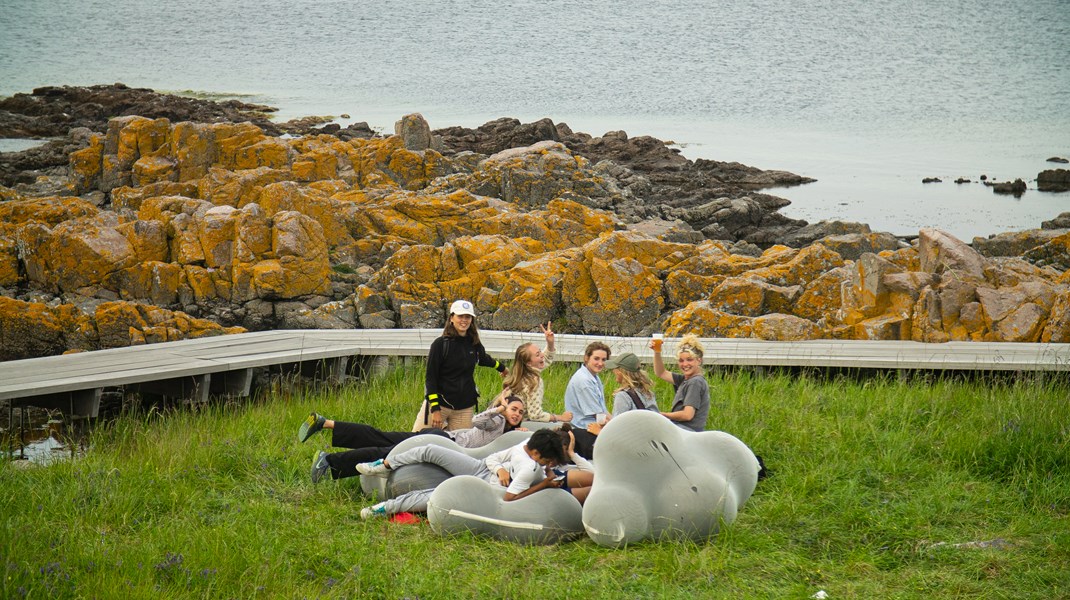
867 97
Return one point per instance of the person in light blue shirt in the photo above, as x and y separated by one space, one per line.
585 397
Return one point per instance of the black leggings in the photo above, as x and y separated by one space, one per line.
367 444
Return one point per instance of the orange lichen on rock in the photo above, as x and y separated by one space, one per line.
703 320
50 211
33 329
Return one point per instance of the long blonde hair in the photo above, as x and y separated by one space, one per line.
634 380
522 378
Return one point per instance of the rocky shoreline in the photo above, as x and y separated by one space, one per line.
154 217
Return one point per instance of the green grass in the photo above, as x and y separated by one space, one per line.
868 478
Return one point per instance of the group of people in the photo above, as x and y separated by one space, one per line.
554 457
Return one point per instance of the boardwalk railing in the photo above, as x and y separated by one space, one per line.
193 369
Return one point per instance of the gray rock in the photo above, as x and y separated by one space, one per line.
939 251
851 246
808 234
420 316
1053 180
1014 188
414 131
382 320
1060 222
1015 243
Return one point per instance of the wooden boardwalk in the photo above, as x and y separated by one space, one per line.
193 369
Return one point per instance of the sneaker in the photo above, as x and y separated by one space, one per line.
312 425
377 467
320 467
375 510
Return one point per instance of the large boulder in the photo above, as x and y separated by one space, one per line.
851 246
534 175
813 232
32 329
785 328
1016 314
940 251
77 254
414 132
1015 243
531 293
752 297
703 320
615 293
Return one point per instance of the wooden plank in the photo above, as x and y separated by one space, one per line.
185 358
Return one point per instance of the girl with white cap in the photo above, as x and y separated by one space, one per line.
450 386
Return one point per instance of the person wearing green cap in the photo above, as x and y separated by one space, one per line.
635 390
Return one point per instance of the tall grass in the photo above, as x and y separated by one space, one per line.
879 488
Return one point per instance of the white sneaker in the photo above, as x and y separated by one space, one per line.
375 510
377 467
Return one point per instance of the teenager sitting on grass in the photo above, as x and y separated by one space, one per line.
522 470
691 404
367 443
525 378
585 397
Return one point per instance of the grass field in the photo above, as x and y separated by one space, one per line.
879 488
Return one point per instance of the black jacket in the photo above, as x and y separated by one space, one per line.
451 364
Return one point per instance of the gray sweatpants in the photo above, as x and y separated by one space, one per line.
454 462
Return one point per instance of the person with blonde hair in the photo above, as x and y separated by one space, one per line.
525 378
691 404
634 390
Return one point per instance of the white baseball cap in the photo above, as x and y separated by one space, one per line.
462 307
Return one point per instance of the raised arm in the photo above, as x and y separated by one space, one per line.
488 419
659 365
548 333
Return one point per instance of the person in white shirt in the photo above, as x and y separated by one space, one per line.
522 470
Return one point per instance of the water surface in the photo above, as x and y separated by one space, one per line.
867 97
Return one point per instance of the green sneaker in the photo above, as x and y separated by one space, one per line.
312 425
320 467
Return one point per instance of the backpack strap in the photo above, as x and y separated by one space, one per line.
635 399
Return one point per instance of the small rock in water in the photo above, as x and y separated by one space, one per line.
962 180
344 115
1059 159
931 180
984 177
1016 188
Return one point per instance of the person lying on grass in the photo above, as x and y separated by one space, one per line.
521 470
367 443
